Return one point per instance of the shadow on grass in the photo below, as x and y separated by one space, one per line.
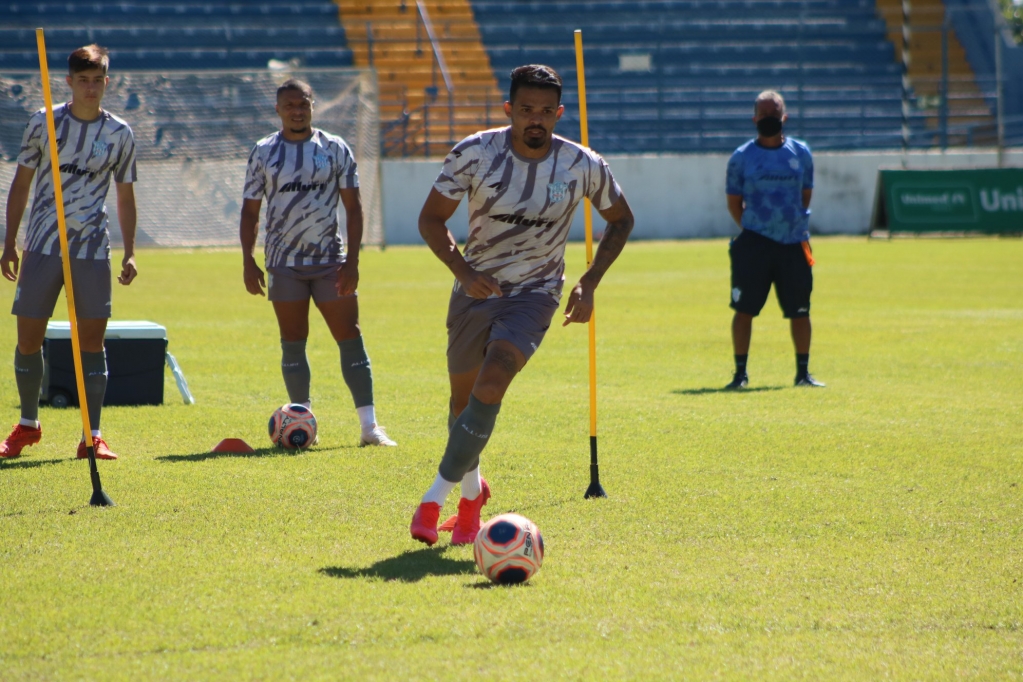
258 452
29 463
704 391
408 567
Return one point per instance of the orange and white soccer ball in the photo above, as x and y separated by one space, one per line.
292 426
509 549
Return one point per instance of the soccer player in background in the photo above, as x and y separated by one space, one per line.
93 147
303 172
523 185
769 184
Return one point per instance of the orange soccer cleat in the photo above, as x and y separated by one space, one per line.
101 447
21 437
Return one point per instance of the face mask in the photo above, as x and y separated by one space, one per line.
769 126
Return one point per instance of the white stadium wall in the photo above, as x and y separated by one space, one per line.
683 197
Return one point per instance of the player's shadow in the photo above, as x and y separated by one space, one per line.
408 567
30 463
258 452
704 391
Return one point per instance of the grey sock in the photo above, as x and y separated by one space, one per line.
469 435
295 368
94 367
356 371
28 373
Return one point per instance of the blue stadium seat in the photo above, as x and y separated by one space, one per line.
180 34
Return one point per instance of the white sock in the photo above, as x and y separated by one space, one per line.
96 433
308 404
471 485
439 491
367 417
29 422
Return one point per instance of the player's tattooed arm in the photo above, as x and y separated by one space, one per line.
619 225
17 200
248 232
434 230
127 216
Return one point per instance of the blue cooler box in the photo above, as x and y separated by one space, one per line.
136 353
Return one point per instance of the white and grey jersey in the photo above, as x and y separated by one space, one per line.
90 153
301 182
520 210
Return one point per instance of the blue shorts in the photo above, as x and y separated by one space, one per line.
473 323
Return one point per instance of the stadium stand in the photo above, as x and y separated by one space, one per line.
436 82
680 75
178 34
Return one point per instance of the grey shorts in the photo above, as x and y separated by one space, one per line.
473 323
300 282
42 277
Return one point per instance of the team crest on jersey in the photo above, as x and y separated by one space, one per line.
557 191
98 148
320 161
794 164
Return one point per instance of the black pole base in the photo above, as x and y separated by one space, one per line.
101 499
595 490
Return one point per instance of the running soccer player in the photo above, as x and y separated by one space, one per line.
523 185
93 147
303 172
769 185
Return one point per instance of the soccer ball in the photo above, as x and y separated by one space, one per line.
292 426
509 549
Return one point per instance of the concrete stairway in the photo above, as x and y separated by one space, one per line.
966 103
419 114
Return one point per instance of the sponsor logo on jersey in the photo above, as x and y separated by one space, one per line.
298 186
73 169
513 219
557 191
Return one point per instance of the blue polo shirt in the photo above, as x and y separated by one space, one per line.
771 183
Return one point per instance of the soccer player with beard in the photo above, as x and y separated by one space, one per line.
523 185
303 172
94 146
769 185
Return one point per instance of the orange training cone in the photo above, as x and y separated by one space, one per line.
232 445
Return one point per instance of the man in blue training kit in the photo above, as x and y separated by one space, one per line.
769 184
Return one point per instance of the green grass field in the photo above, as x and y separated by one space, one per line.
868 530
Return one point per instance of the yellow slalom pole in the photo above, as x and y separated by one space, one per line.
99 498
595 490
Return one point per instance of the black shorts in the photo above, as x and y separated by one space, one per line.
757 262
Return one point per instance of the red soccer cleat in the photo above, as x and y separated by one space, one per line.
468 523
21 437
100 446
424 523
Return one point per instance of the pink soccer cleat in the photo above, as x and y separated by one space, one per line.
467 524
424 523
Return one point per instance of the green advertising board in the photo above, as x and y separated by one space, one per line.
986 200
